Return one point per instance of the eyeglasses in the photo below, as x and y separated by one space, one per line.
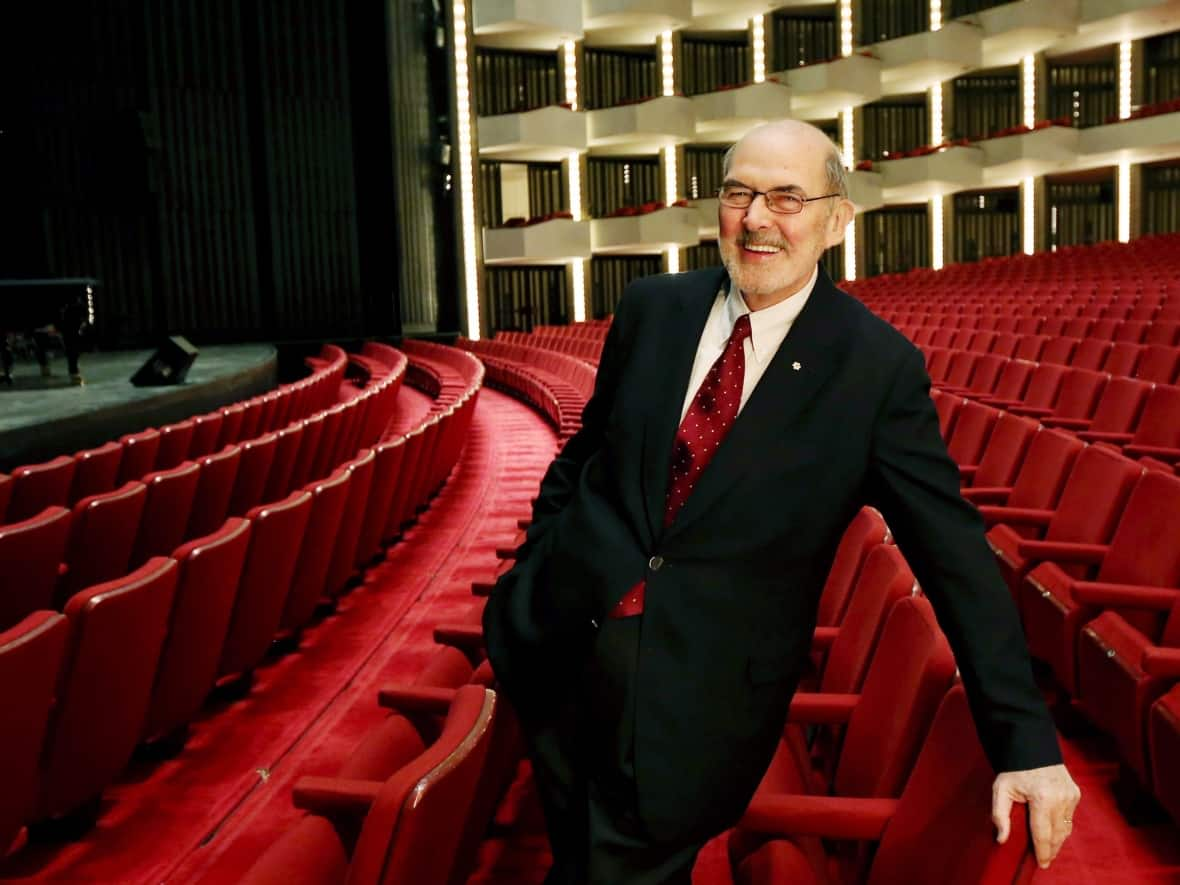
778 200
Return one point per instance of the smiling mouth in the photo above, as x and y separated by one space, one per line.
761 249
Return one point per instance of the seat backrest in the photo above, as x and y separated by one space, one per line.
96 471
1005 450
1123 357
1045 385
1091 354
139 454
30 553
102 537
1137 555
987 372
329 440
5 496
215 486
414 827
37 486
960 368
1165 332
884 579
1005 344
1059 351
231 425
210 570
865 532
947 406
287 442
166 511
1132 331
1158 363
909 674
343 562
1047 463
31 654
942 829
1093 497
972 429
1030 347
386 469
1013 381
116 631
313 431
1080 391
1159 423
329 498
257 456
175 442
251 419
1121 404
206 433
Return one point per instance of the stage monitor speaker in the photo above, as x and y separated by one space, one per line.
168 365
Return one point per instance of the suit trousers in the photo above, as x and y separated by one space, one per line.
583 767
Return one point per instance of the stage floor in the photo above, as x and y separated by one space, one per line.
41 418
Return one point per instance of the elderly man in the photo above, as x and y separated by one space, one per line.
656 623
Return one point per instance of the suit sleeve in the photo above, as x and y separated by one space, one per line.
561 478
914 483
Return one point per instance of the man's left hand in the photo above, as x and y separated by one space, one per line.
1052 797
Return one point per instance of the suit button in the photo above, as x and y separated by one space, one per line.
655 563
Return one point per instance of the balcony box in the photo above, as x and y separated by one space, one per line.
913 179
1009 159
864 189
820 91
1014 30
651 232
727 114
642 127
526 24
633 22
1103 22
1144 140
913 62
706 209
544 135
550 242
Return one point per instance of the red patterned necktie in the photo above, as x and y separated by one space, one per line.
708 420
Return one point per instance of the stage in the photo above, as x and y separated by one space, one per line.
41 418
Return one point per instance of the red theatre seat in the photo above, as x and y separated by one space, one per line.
139 454
175 442
30 659
5 496
1164 741
96 471
1002 456
313 431
972 429
939 831
329 497
266 580
387 472
31 554
866 531
215 486
37 486
116 630
1041 476
102 538
343 563
206 433
287 443
413 822
166 511
210 571
257 456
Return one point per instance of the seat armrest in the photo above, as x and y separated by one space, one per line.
967 471
334 797
1108 436
466 637
409 699
1062 551
1162 662
1016 515
1125 595
1066 423
832 817
983 495
823 637
822 708
1032 411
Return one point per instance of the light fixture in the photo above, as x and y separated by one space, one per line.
1028 90
1123 195
758 38
673 259
667 64
670 196
936 114
466 170
848 137
1124 79
936 233
578 271
845 27
936 15
850 250
574 178
571 75
1028 215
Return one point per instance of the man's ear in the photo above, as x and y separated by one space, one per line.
839 220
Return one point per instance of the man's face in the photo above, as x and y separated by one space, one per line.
770 255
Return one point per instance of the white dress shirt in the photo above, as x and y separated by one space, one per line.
768 328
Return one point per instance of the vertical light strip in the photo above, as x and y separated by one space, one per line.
936 15
848 137
850 250
667 64
936 114
1123 192
670 196
1028 215
578 269
846 28
673 259
1124 79
758 37
574 176
1028 90
936 233
466 169
571 75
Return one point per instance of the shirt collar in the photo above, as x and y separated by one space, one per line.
768 326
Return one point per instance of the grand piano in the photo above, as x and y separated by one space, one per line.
29 306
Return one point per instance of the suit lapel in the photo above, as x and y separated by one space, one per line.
812 350
678 350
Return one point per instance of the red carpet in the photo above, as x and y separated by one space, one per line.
205 816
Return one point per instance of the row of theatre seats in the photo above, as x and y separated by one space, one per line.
96 670
581 340
892 753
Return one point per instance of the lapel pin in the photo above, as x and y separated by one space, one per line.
796 366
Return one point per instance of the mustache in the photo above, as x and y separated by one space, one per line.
754 240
